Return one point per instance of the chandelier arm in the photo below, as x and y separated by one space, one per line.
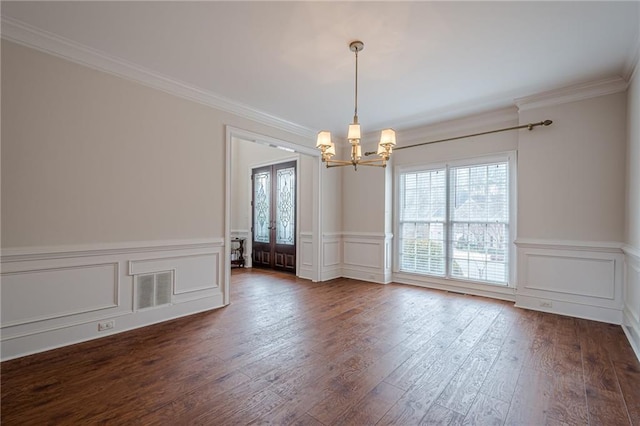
343 163
338 163
371 162
329 165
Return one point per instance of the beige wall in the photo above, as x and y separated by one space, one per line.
571 174
363 199
88 157
331 199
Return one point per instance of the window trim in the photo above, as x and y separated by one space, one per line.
510 157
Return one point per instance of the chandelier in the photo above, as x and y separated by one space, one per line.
328 148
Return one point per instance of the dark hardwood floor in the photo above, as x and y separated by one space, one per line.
287 351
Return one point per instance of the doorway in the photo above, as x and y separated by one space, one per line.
273 206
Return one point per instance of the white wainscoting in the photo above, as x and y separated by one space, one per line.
367 256
580 279
53 297
631 312
306 262
331 256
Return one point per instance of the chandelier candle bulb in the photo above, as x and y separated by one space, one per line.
383 150
331 150
354 133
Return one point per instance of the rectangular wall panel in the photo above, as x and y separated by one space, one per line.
572 275
192 273
331 253
307 253
367 254
37 295
577 279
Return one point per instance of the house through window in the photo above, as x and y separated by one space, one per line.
454 221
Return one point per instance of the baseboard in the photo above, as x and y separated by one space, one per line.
330 273
19 346
577 310
363 274
484 290
631 329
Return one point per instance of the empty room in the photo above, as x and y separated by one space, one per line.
320 213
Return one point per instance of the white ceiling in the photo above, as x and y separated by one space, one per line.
422 61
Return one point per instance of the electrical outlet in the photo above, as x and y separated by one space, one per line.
106 325
546 305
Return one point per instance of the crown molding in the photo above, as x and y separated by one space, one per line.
576 92
27 35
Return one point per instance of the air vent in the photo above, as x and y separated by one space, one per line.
153 290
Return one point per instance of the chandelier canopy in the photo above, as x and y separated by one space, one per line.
328 148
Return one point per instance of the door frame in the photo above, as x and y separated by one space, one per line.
233 133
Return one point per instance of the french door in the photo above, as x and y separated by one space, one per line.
274 216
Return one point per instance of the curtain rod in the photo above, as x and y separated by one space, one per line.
529 126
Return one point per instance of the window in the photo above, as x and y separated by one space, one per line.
454 221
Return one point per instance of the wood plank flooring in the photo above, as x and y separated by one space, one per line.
344 352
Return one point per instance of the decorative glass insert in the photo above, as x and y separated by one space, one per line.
285 203
261 206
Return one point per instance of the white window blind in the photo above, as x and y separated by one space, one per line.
422 222
454 222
